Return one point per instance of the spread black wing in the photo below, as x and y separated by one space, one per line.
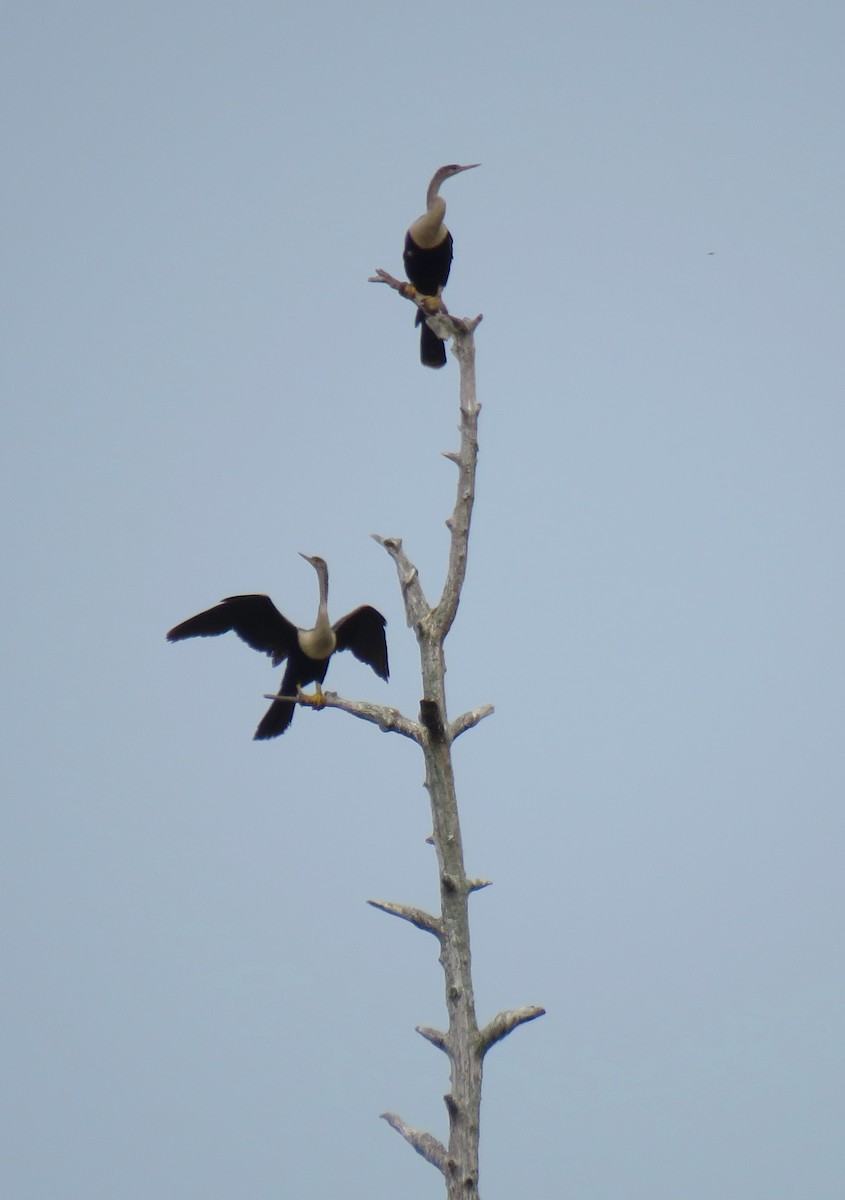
362 632
255 619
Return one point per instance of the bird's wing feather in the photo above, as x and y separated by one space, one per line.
255 619
428 269
362 632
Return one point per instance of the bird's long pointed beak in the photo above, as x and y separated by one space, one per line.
470 167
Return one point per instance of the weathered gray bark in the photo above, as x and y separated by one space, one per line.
463 1041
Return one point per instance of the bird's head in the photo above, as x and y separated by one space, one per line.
450 169
446 173
319 564
453 169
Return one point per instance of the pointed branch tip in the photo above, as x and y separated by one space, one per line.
469 720
407 912
435 1036
505 1023
429 1147
475 885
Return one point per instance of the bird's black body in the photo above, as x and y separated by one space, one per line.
428 259
257 621
428 271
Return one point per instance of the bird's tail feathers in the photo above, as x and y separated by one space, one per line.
276 720
432 350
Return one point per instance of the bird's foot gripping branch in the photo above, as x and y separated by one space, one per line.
427 257
257 621
431 309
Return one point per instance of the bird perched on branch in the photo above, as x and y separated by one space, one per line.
257 621
428 259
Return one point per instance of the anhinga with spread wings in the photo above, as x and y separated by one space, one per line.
428 259
257 621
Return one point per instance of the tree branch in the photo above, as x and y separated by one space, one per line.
432 308
417 916
435 1036
417 607
399 285
464 1043
466 459
475 885
429 1147
467 720
389 720
505 1023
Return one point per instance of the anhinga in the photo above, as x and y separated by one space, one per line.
428 258
259 623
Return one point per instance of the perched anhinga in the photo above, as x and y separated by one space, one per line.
428 257
259 623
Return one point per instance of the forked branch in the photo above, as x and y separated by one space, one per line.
416 606
462 1042
432 307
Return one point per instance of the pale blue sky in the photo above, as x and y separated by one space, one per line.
199 383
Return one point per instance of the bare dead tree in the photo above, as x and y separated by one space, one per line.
464 1043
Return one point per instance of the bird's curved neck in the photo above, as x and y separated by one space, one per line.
431 195
323 623
321 641
429 230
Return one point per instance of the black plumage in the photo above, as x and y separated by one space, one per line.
428 259
257 621
428 271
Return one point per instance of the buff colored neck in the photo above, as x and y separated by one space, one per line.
428 230
320 641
